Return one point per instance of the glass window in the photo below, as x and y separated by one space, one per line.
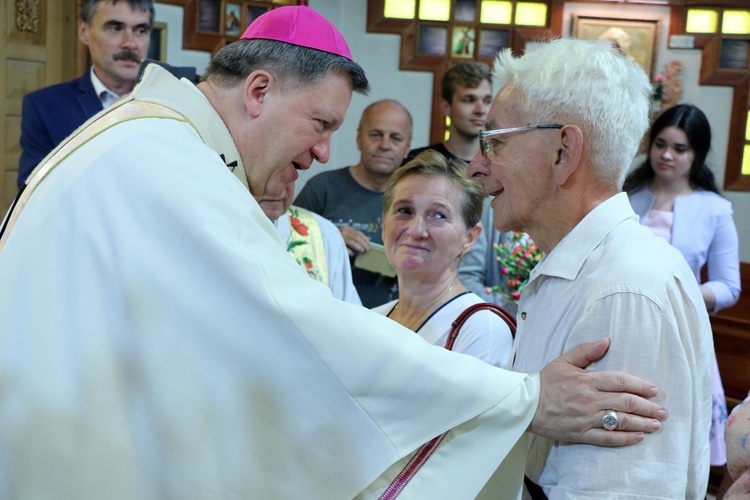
432 40
734 54
496 12
434 10
736 22
531 14
492 41
702 21
466 10
400 9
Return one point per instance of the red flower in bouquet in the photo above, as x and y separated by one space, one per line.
517 258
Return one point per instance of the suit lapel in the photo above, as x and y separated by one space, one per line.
87 98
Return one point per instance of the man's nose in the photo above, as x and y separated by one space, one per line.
385 143
128 38
479 167
322 149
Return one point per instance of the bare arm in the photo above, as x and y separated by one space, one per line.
573 400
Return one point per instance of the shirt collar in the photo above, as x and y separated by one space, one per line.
567 258
106 96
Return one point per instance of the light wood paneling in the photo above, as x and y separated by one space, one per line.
38 43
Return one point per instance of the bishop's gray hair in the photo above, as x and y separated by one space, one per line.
290 64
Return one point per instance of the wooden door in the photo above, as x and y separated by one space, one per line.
38 48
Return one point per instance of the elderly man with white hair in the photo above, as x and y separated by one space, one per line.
559 138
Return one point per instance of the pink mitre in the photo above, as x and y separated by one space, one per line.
298 25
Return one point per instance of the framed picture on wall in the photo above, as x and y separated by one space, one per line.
253 12
232 19
636 38
209 16
463 41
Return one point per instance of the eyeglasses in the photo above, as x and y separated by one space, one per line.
486 148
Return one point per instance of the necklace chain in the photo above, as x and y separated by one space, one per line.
427 311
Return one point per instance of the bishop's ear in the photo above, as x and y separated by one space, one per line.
255 91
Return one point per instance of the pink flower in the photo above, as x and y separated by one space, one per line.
515 295
504 271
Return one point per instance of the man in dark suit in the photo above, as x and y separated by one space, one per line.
117 34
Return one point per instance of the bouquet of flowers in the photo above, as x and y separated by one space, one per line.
517 257
658 94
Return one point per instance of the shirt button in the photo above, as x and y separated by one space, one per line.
523 315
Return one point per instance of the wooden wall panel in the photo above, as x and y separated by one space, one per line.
37 48
731 328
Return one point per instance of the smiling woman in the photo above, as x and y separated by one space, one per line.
431 212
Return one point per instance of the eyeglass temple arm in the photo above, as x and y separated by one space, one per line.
490 133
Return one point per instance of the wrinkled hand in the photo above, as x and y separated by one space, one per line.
356 241
573 400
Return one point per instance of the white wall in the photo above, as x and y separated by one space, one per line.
173 17
378 54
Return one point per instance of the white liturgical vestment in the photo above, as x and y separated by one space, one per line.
158 341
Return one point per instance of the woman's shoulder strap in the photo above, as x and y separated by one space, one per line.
506 316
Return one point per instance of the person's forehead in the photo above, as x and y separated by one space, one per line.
674 134
501 111
387 118
484 88
106 11
441 190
